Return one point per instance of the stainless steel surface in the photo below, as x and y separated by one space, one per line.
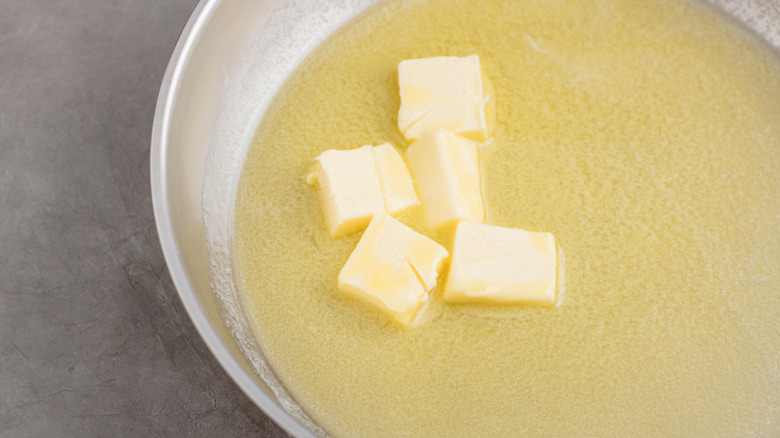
187 109
228 64
231 58
94 340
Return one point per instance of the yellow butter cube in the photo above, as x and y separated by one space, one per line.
443 92
446 169
356 184
350 192
393 268
492 264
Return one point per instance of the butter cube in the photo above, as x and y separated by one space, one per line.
356 184
492 264
444 92
394 178
393 268
446 169
350 192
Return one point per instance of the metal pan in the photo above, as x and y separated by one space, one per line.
229 61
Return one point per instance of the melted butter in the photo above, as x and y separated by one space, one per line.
645 135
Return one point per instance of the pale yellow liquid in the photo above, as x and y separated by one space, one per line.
645 135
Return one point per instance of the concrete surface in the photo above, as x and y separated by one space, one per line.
93 339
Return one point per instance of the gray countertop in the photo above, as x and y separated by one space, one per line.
94 340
